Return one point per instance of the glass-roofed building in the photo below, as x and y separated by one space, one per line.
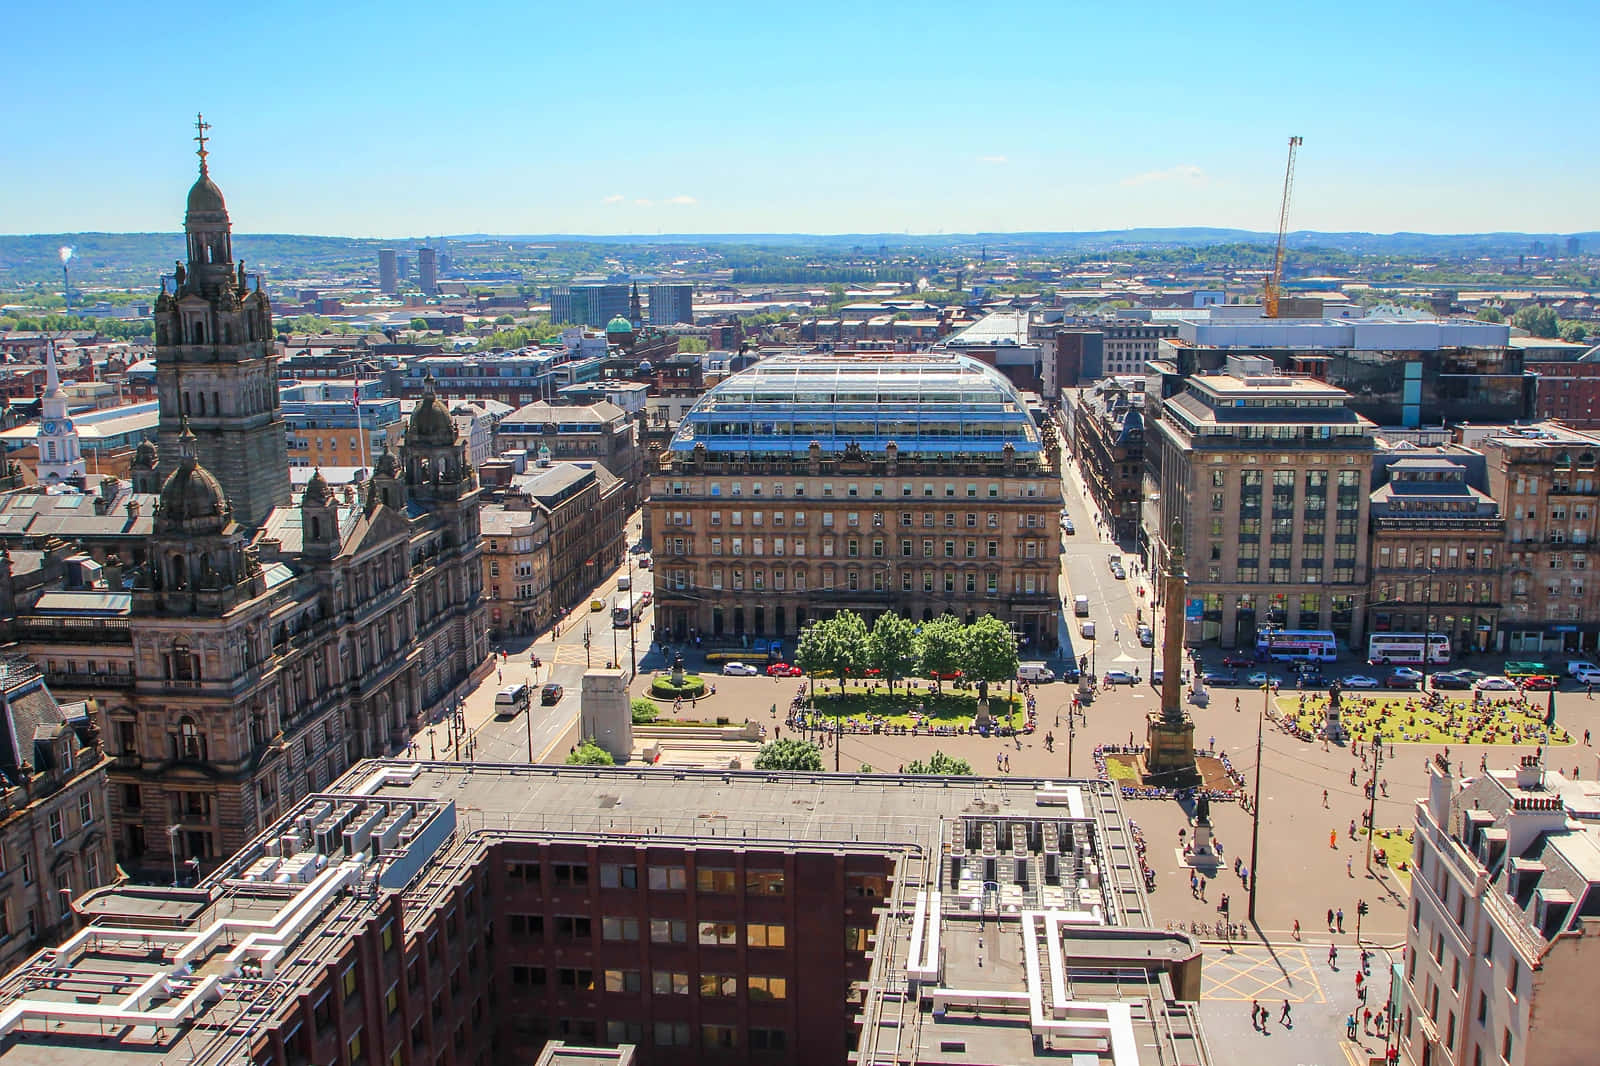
809 484
927 404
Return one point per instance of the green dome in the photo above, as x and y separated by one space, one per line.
619 325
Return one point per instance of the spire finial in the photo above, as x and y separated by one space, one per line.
201 125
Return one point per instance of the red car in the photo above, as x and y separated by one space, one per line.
953 675
1238 660
1539 683
784 670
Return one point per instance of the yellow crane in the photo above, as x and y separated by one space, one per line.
1274 284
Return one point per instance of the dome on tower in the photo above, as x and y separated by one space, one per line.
192 494
145 455
317 489
619 325
430 422
204 196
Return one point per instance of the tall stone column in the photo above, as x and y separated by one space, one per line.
1169 732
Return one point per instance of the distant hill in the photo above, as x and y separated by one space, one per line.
139 259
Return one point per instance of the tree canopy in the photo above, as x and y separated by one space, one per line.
989 653
836 645
941 764
942 645
590 754
892 647
1539 321
789 754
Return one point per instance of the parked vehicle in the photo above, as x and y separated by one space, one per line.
551 694
1496 684
1086 628
1578 666
1538 683
1450 679
1147 636
1359 681
1259 678
1035 673
739 670
1066 524
1403 677
1238 659
1587 677
1120 677
1080 606
784 670
1220 677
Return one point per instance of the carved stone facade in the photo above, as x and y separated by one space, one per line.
263 649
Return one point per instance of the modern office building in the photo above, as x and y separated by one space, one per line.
1268 474
346 432
1502 937
388 271
588 305
918 484
438 913
1398 371
53 841
1546 479
671 305
428 271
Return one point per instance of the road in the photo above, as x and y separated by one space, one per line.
1114 605
563 660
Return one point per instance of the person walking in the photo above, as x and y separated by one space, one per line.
1339 917
1330 919
1324 798
1285 1018
1255 1014
1333 956
1297 928
1350 1025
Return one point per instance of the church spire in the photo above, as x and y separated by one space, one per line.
201 125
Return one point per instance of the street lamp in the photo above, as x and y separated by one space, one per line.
633 626
1255 808
1427 643
172 847
586 662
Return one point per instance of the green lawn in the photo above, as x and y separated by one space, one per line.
949 708
1398 844
1495 722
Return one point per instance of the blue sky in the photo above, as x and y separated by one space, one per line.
406 118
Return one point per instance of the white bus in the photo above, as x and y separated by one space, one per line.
1406 649
1297 645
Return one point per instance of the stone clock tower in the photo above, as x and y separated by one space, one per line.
216 366
60 458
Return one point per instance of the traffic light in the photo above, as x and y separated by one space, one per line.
1361 908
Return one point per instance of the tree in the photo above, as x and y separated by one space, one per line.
1574 332
837 645
644 710
941 647
692 345
989 653
1490 314
941 764
1539 321
892 647
505 320
419 324
789 754
590 754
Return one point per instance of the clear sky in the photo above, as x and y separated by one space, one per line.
409 118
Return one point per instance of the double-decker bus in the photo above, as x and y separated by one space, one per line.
623 614
1406 648
1297 645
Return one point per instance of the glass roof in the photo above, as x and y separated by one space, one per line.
925 402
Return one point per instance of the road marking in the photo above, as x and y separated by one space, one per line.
1252 973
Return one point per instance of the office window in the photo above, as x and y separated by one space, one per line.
718 986
669 931
764 882
668 878
767 988
720 933
669 983
713 880
619 929
765 935
623 982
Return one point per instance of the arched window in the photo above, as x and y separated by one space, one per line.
191 745
202 404
316 528
177 571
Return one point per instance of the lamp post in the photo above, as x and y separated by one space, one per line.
586 662
1372 786
1427 641
633 626
1255 808
172 847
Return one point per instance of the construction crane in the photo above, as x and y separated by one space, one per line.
1274 284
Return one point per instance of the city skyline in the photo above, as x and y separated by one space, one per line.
721 119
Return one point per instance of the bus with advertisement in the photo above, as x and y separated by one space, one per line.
1405 649
1297 645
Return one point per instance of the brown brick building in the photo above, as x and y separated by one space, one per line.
443 915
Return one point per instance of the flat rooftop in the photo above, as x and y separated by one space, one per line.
165 974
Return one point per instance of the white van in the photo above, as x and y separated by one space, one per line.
1087 629
1035 673
512 699
624 582
1080 606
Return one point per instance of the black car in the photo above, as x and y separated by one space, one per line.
1450 679
551 694
1220 677
1069 672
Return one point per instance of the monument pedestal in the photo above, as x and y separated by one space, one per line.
1201 853
1169 755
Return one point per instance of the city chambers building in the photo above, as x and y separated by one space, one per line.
810 484
264 641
